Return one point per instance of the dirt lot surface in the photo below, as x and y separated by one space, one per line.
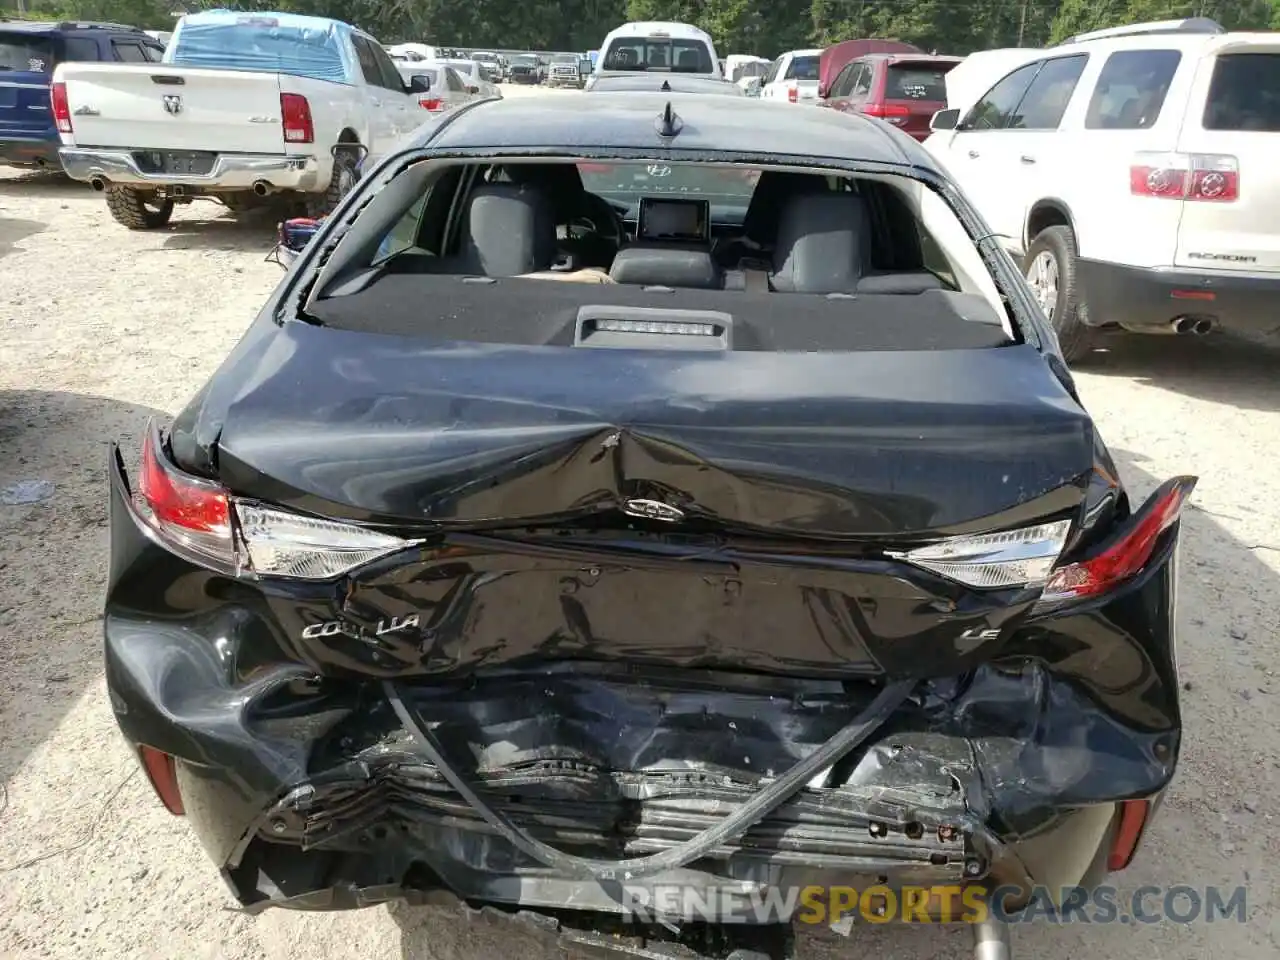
103 328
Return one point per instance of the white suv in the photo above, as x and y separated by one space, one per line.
1136 173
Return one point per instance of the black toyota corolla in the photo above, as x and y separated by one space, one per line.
684 494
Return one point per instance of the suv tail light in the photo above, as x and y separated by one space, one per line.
885 110
430 103
1210 177
1028 557
793 93
61 107
202 522
295 114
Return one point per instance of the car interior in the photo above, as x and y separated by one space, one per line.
808 245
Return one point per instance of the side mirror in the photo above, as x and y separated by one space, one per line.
419 83
473 89
945 119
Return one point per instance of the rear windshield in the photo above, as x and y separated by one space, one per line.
653 53
22 53
803 68
512 252
914 81
1244 93
260 43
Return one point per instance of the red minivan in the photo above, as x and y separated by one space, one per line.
905 89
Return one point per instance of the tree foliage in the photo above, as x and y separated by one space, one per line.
764 27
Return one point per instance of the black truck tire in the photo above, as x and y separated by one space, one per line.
1058 243
130 208
341 181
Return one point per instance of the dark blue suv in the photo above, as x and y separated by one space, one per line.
28 53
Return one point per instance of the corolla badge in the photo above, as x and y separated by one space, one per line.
652 510
658 170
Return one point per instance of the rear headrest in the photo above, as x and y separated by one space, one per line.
667 266
509 229
773 190
824 244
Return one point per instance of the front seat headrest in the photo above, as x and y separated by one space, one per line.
824 244
773 189
509 230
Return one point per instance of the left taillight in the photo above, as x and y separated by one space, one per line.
162 771
61 107
1030 557
201 521
793 93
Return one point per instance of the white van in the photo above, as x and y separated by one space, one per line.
654 46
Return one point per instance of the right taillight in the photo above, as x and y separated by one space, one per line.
201 521
1127 552
1208 177
61 107
1029 557
430 103
793 93
295 117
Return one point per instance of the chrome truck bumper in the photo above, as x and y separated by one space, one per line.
229 171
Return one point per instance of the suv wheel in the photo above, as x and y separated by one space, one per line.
137 210
1050 269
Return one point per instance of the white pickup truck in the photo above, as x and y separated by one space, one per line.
241 108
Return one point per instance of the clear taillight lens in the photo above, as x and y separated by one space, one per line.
279 544
991 561
200 521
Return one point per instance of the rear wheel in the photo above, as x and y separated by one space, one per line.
138 210
341 181
1050 269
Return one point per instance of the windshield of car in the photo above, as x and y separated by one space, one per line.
728 189
259 44
802 68
525 61
23 53
652 53
896 248
915 81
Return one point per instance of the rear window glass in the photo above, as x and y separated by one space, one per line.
20 53
728 189
802 68
1131 89
650 53
254 43
914 81
1244 93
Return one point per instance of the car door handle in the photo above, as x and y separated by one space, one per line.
1026 159
973 154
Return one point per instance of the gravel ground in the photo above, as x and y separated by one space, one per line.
103 328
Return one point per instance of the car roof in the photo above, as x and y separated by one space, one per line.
626 121
55 26
646 28
675 82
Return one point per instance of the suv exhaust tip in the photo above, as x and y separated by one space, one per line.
1198 326
99 184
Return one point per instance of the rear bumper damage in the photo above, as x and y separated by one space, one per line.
310 791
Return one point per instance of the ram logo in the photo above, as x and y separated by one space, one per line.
172 104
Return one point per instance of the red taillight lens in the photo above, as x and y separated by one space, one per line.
61 108
886 110
295 115
1126 555
430 104
190 514
163 774
1133 819
1209 177
793 94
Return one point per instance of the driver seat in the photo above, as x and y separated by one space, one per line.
570 201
